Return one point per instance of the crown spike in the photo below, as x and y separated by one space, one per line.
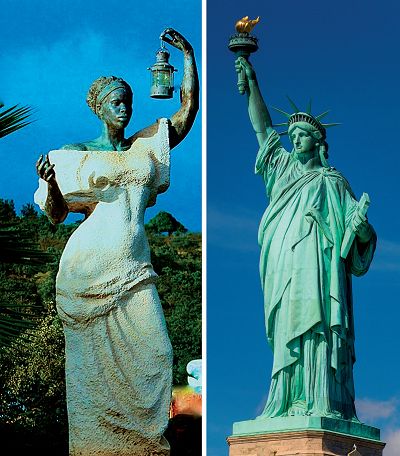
331 125
295 108
303 116
283 133
281 111
321 116
308 110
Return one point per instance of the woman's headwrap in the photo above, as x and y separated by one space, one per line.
101 88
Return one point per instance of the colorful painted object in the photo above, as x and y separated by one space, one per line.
185 401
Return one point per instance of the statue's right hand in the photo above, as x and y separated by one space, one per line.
45 170
243 64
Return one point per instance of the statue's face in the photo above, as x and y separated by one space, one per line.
116 109
302 140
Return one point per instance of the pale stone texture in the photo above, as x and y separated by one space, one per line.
302 443
118 354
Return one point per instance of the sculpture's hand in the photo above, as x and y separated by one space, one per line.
56 208
175 39
242 64
361 227
45 170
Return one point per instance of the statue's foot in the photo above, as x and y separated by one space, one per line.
326 414
298 409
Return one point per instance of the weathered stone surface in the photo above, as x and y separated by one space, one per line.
118 354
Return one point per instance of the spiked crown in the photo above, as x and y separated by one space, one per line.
300 116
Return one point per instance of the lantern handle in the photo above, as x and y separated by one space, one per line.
176 40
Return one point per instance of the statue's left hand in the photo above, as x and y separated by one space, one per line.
45 170
175 39
362 228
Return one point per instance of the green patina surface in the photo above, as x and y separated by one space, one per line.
313 217
301 423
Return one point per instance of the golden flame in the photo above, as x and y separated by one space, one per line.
246 25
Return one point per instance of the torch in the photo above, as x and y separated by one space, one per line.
243 44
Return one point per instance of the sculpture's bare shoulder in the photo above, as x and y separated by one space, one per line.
146 132
77 146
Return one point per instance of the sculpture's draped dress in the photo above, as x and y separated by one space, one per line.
118 354
307 285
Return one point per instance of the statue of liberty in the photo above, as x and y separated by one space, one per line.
314 236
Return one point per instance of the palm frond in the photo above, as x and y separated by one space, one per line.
18 248
9 334
14 324
13 119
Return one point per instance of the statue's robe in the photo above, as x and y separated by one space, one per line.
307 285
118 354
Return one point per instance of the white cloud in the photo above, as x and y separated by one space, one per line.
261 405
389 247
387 256
392 439
370 410
386 412
233 230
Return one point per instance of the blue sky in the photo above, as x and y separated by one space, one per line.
51 53
343 54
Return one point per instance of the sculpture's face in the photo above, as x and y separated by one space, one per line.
302 140
116 109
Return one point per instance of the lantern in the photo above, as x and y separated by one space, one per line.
162 75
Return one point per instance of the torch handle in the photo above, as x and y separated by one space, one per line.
242 83
242 80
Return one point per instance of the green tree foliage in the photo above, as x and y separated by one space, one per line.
17 247
7 211
164 222
13 248
32 392
177 260
32 388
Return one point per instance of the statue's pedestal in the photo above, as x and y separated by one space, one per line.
303 436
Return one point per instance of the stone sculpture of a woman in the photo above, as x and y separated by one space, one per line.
305 279
118 354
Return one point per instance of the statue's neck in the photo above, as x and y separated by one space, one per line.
309 159
112 138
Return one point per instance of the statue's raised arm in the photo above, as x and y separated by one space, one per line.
258 111
181 122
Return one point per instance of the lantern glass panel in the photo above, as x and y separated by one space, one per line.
162 78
